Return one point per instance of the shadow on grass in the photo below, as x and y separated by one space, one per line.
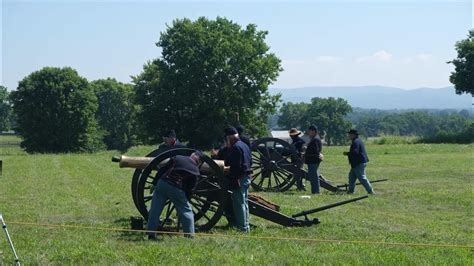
133 236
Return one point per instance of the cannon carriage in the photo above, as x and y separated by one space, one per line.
275 167
211 198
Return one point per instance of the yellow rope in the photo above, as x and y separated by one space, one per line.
335 241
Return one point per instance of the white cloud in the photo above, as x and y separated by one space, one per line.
292 62
421 57
382 56
328 59
424 57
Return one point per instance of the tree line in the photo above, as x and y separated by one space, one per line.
211 73
455 126
334 116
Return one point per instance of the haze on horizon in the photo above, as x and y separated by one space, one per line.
403 44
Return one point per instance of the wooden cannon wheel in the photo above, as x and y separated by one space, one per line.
273 165
136 177
207 202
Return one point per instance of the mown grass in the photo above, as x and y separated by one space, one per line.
428 200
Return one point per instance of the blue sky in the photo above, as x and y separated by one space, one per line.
321 43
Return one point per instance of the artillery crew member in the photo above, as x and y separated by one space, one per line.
313 158
358 159
299 145
243 138
176 183
170 141
239 160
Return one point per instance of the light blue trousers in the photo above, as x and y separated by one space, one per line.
163 192
358 172
313 176
240 205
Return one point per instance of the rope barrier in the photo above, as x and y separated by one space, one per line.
332 241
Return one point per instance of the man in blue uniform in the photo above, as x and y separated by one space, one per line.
176 183
239 161
299 145
242 136
358 159
313 158
170 141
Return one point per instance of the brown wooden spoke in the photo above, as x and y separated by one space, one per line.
169 210
257 159
269 184
277 180
260 153
202 210
278 174
257 173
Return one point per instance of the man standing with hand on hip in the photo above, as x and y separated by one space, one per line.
239 161
358 159
313 158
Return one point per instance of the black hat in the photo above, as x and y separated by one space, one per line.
170 134
313 127
199 153
240 129
230 131
353 131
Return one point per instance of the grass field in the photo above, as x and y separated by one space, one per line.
428 200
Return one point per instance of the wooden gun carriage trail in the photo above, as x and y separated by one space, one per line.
211 198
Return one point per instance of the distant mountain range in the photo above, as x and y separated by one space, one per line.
380 97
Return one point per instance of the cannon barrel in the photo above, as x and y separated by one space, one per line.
142 162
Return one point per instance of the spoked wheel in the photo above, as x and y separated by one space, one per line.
207 202
136 177
272 167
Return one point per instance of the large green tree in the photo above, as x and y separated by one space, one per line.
115 112
55 110
5 109
292 115
329 115
209 71
463 75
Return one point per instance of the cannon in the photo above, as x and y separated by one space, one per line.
210 199
275 167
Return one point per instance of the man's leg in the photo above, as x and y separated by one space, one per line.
186 215
313 177
360 173
245 184
157 204
352 181
299 176
238 203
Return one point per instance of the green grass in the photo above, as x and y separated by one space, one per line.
428 199
392 139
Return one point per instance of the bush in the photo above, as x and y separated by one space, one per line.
55 110
464 137
115 112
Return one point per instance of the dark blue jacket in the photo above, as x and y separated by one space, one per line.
298 143
239 159
245 140
312 151
357 153
181 172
